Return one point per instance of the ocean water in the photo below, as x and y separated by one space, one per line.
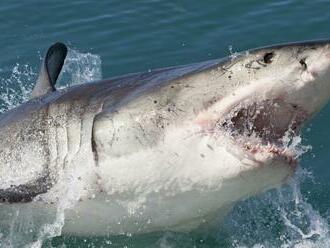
109 38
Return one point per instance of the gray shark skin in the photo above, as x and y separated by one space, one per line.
162 150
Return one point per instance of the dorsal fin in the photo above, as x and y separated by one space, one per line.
50 69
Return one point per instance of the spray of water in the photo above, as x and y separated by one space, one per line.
279 218
17 87
233 54
80 68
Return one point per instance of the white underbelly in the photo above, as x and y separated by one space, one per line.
177 187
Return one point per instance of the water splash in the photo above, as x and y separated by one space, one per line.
280 218
233 54
16 88
69 190
80 68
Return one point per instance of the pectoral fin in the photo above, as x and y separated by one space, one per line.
50 69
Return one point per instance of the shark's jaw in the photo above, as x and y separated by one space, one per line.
259 132
264 129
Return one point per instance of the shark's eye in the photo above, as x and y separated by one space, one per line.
268 58
303 63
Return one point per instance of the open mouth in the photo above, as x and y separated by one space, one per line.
265 129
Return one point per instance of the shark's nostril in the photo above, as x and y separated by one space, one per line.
303 63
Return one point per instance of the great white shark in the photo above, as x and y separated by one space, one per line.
167 149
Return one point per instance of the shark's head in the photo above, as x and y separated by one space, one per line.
269 94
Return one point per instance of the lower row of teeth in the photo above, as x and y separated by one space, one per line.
270 148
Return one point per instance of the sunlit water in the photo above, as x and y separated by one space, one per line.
133 36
